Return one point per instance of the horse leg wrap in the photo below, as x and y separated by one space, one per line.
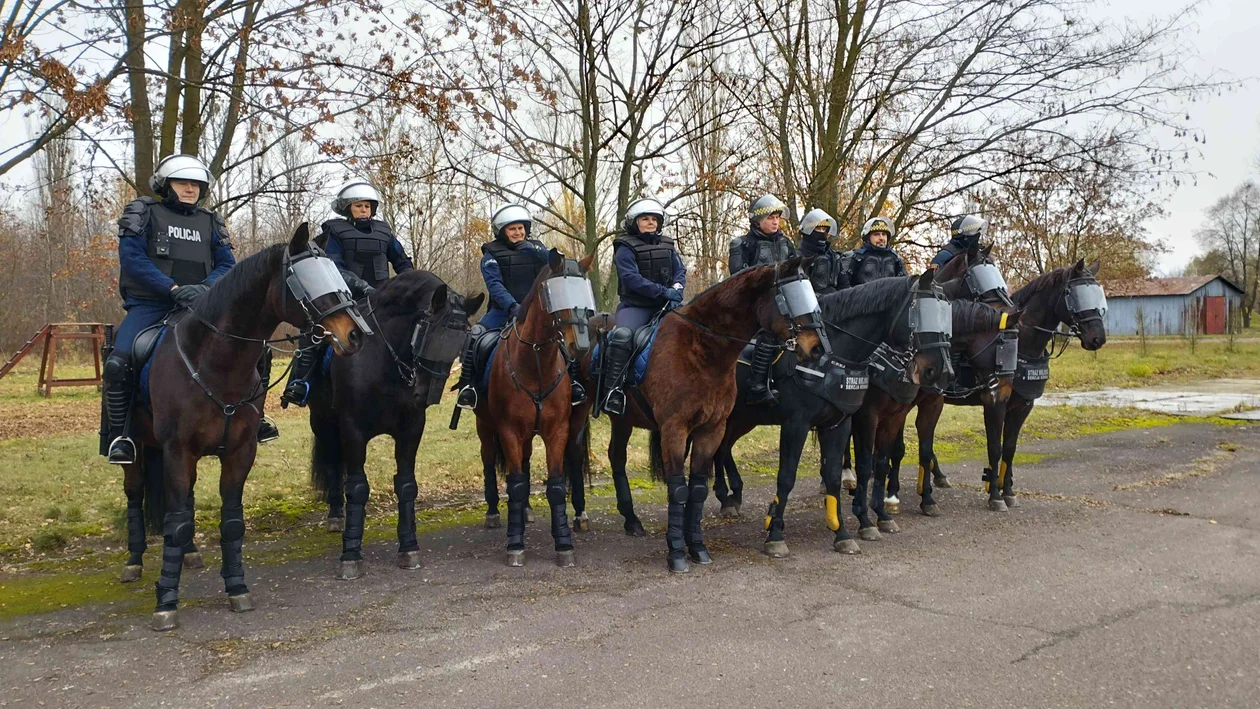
177 529
356 500
231 538
774 520
560 530
135 532
191 546
518 495
697 493
678 494
405 489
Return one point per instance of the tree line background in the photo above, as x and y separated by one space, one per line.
1063 128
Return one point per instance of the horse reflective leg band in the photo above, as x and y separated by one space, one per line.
357 492
677 488
1002 322
406 491
770 512
986 477
231 538
177 530
1001 474
135 532
518 494
833 512
560 531
920 483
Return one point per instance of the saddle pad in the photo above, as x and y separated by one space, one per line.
484 379
142 390
640 364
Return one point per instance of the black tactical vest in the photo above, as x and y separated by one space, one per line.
768 251
519 270
366 254
655 262
865 265
824 274
179 244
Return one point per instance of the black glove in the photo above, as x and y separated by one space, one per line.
673 295
186 295
512 310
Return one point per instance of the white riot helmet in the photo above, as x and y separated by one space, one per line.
180 167
641 207
968 226
764 206
356 190
818 218
508 215
877 224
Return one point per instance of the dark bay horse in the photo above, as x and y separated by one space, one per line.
527 395
1069 295
856 319
689 391
420 327
206 399
878 424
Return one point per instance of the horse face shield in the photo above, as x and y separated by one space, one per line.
437 341
798 303
985 278
571 302
931 326
1087 305
317 286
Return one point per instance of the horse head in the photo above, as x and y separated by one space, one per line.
795 316
567 295
316 294
1084 305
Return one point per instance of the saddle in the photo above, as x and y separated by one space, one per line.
484 346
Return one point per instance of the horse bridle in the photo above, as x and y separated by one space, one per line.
902 358
1076 311
432 340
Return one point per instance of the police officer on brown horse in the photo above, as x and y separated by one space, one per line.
874 258
763 244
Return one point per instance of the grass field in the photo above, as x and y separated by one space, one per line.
1120 363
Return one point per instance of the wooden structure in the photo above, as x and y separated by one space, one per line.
51 334
1210 305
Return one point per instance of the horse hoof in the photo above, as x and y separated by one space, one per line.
194 560
679 565
847 546
164 620
730 511
529 515
493 522
776 550
941 481
409 559
997 505
582 524
131 573
700 555
848 479
241 603
930 510
516 557
351 570
635 529
565 559
1010 500
335 524
869 534
892 505
889 526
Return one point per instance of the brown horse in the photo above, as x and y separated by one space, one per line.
206 399
528 394
689 391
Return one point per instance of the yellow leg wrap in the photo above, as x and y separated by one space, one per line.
921 471
1001 474
770 513
833 513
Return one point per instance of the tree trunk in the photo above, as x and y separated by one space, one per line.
141 113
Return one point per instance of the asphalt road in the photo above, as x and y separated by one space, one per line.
1086 595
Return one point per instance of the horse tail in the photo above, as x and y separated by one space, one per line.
657 456
154 488
583 451
500 460
325 463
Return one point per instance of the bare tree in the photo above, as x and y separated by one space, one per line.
1232 227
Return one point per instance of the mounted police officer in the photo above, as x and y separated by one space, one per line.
510 264
363 248
874 259
817 230
965 232
170 250
763 244
650 278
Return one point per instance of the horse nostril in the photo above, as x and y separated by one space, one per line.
816 351
355 338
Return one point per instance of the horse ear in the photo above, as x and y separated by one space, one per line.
585 263
1094 267
988 248
301 238
925 280
556 261
438 302
321 239
972 252
473 304
1012 317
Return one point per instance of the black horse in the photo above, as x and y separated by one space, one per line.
857 320
420 325
206 398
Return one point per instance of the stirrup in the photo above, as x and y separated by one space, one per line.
615 402
293 395
578 394
762 396
267 430
122 458
463 401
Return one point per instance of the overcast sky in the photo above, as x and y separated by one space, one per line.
1227 39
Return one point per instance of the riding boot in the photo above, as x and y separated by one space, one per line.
267 430
578 392
118 399
759 389
617 352
467 398
298 389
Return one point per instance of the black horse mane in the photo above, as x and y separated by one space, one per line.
239 281
406 292
543 275
970 317
1054 278
866 299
